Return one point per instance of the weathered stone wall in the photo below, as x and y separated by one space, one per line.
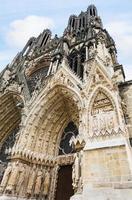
107 170
126 94
106 166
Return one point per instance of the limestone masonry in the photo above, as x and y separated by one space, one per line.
66 117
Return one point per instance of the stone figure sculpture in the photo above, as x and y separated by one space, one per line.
38 183
13 179
76 171
46 183
19 188
31 181
5 177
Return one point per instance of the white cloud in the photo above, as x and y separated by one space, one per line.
21 30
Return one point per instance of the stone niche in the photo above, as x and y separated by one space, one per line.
106 171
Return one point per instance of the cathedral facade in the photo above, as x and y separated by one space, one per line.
66 117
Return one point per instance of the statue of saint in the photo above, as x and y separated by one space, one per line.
46 183
31 181
13 179
38 183
76 171
21 180
5 178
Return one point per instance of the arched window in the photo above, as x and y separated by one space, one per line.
80 23
94 13
76 60
91 12
83 22
73 23
83 54
73 61
69 131
70 23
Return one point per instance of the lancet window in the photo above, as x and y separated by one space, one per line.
76 61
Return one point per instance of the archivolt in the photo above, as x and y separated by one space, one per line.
10 114
49 117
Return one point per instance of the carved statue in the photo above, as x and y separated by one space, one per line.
21 180
13 178
5 178
38 183
91 52
46 183
76 171
31 181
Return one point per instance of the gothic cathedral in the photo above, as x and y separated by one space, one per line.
66 117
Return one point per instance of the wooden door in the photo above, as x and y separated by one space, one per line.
64 184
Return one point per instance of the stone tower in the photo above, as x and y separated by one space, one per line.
66 117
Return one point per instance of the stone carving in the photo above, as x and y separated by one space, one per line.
7 78
5 178
31 181
92 52
103 121
103 115
46 185
76 173
38 183
20 183
11 186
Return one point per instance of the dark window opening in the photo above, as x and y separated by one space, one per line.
79 23
83 21
81 71
94 12
69 131
70 22
91 12
73 23
75 64
83 55
76 60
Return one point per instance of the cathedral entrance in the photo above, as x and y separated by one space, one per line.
64 184
64 188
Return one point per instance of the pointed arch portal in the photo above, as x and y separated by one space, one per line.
64 182
54 120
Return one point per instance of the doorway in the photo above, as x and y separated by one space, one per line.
64 184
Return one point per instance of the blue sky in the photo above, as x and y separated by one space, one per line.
21 19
